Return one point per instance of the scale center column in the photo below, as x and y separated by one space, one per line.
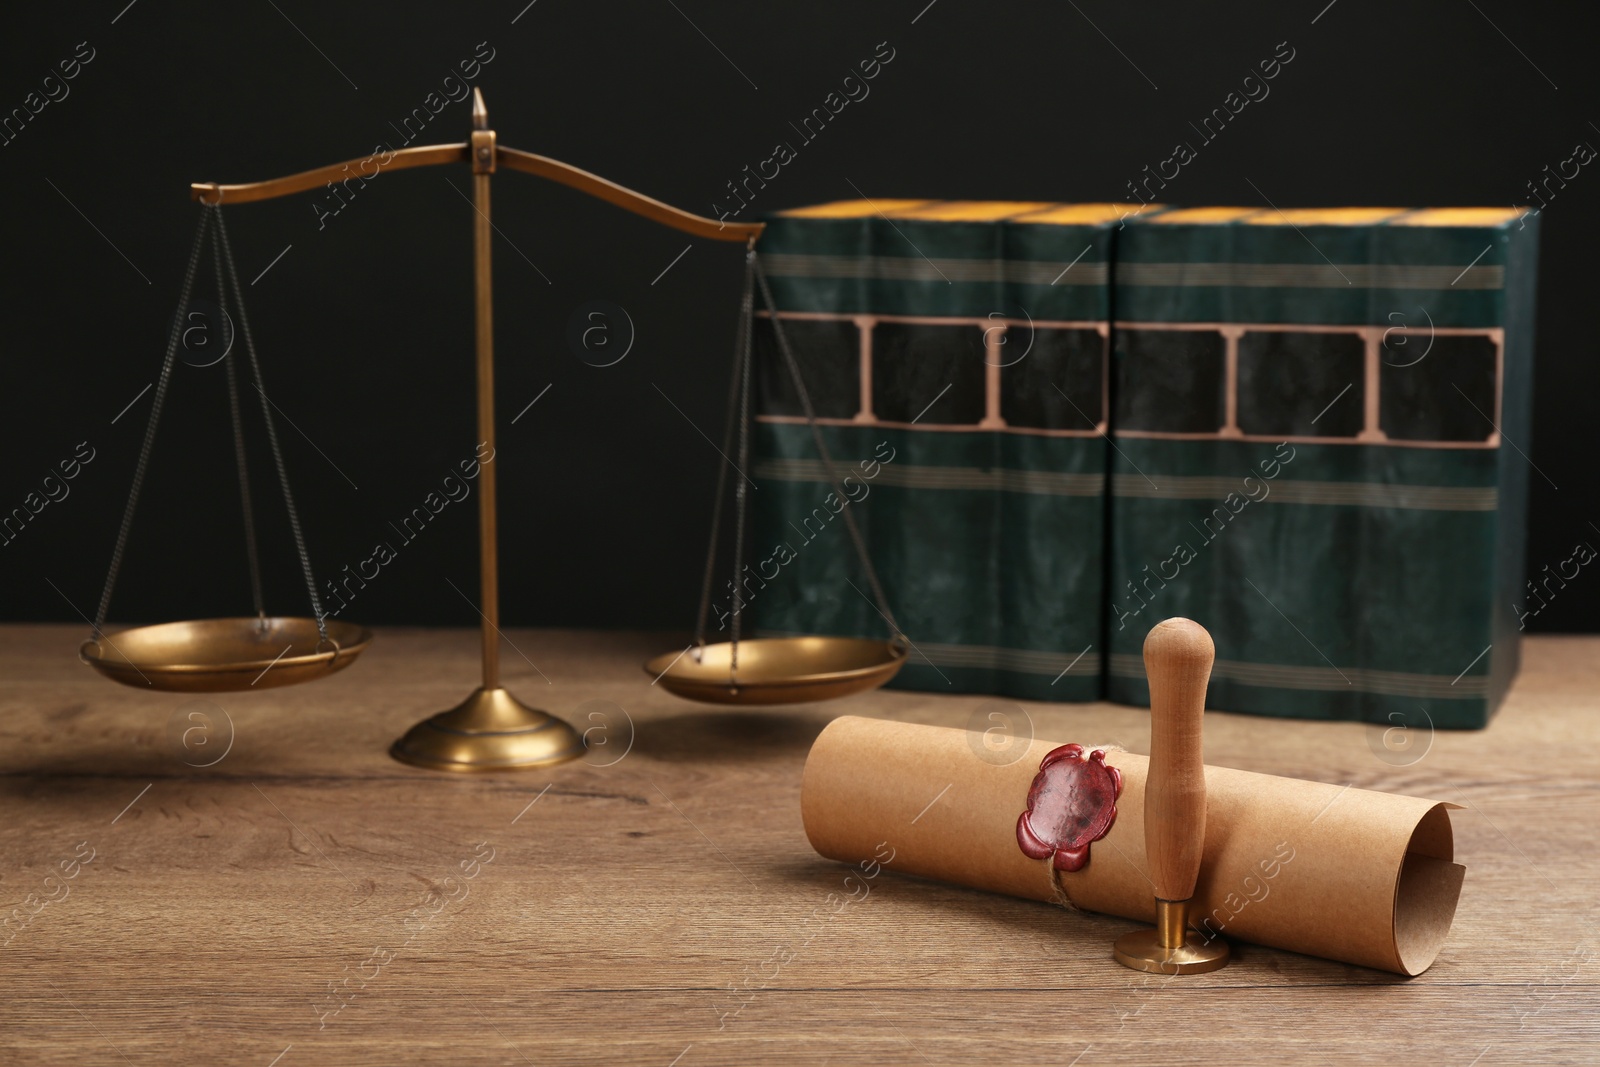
483 147
491 730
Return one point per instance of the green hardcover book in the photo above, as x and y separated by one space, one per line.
958 356
1321 420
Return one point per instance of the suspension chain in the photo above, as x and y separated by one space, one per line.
741 503
746 301
150 428
238 437
822 450
272 435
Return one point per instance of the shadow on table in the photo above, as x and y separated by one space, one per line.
1081 938
716 736
927 899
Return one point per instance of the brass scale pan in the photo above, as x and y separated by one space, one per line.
779 670
225 655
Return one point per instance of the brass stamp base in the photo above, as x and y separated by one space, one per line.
489 731
1170 947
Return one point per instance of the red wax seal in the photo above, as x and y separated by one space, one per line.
1072 804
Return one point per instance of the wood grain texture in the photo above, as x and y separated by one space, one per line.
667 908
1177 660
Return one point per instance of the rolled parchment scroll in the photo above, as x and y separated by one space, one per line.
1347 874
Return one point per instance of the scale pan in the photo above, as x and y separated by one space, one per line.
224 655
780 670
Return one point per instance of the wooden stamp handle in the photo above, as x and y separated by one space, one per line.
1177 660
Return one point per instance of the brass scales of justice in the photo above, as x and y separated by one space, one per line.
491 729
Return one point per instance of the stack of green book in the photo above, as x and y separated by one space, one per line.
1063 423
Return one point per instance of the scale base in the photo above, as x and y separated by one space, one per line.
1170 947
489 731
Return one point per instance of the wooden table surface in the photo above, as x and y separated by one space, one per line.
305 899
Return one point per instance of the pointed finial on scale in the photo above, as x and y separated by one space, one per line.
481 144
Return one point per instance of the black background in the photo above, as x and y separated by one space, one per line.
366 325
